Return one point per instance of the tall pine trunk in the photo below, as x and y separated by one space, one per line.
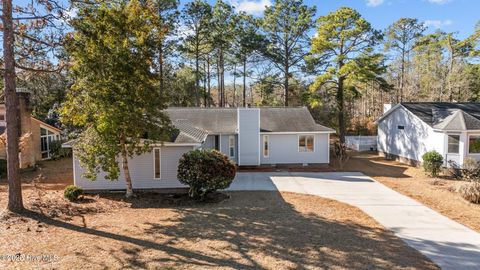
287 71
126 170
197 77
245 82
208 83
341 107
15 201
160 68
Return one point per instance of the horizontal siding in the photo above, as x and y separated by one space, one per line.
141 171
284 150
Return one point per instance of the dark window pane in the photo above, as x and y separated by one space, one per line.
310 144
157 163
401 127
474 145
43 131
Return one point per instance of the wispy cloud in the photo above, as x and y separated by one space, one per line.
255 7
438 23
374 3
439 2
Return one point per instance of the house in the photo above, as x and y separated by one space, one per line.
35 135
409 130
248 136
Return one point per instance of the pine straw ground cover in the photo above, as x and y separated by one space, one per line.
437 193
250 230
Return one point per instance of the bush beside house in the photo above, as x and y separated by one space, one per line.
205 171
432 163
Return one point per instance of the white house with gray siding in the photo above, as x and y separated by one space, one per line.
409 130
248 136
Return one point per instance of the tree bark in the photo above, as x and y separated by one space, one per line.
208 83
245 82
340 107
197 77
15 200
126 170
287 69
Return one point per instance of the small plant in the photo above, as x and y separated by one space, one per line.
205 171
432 163
470 191
72 193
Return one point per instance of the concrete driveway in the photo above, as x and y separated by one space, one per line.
446 242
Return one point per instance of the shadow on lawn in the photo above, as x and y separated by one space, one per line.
252 230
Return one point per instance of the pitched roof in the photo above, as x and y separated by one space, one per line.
272 119
188 132
446 115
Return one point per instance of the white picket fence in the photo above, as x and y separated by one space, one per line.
361 143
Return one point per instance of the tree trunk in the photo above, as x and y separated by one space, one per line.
126 171
287 69
204 92
208 82
15 201
340 107
245 82
197 77
160 68
222 80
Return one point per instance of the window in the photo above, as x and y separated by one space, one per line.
2 117
231 146
453 144
474 144
46 137
265 145
156 162
401 127
217 142
305 143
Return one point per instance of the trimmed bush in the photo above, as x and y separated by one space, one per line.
3 168
72 192
470 192
205 171
432 163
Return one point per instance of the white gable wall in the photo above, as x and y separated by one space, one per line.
413 141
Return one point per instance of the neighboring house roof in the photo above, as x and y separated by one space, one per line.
444 116
3 128
272 119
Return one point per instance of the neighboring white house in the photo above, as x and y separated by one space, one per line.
409 130
248 136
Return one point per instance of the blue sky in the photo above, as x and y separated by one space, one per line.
449 15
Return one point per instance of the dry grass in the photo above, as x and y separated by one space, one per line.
251 230
437 193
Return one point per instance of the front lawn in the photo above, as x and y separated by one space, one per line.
251 230
436 193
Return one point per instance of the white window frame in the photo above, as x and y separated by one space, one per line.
49 137
306 136
159 163
468 148
266 138
448 144
231 146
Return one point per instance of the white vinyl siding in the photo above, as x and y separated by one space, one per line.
141 170
283 149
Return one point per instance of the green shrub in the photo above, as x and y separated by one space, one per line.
72 192
57 151
205 171
470 191
432 163
3 168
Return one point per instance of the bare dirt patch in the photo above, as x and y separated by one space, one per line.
250 230
436 193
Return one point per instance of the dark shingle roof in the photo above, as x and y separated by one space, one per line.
447 116
272 119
